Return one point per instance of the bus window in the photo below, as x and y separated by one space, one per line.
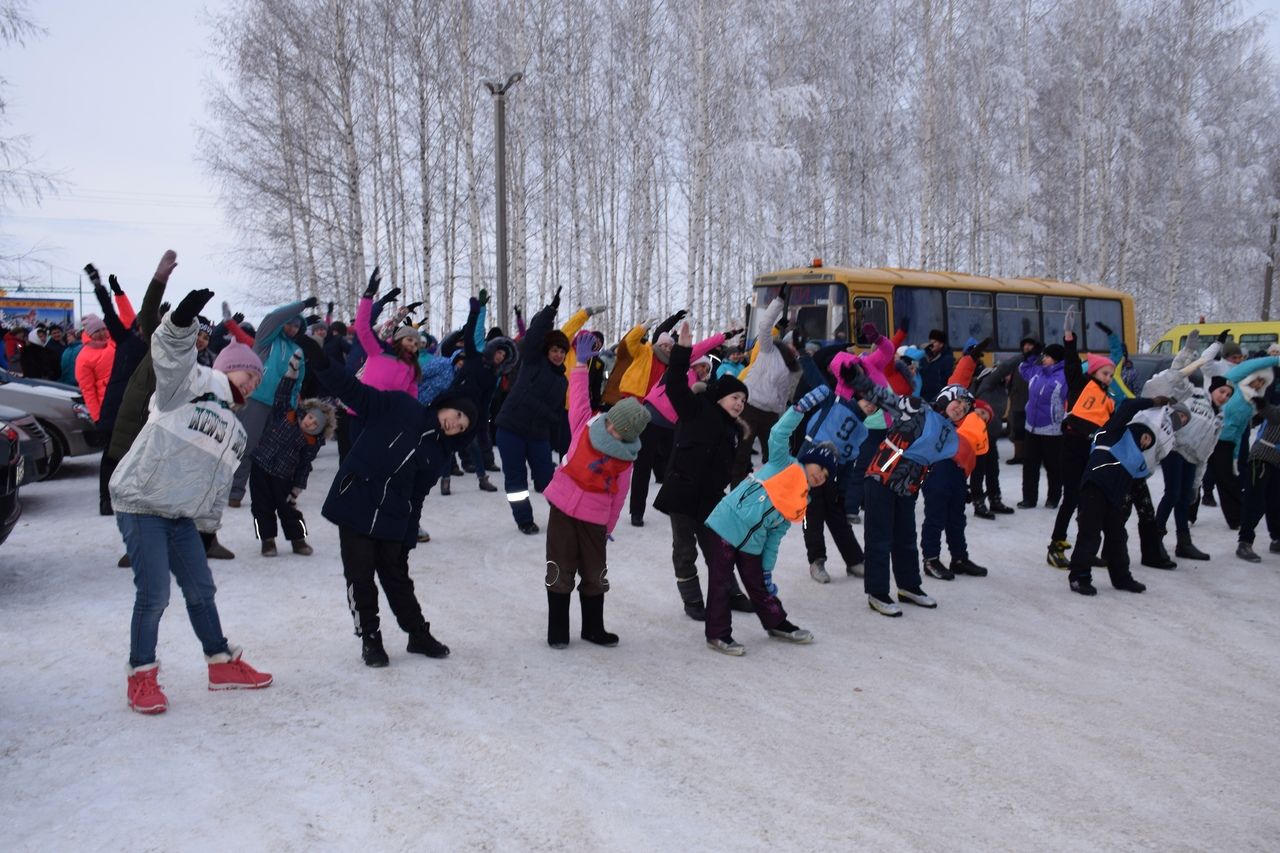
1164 347
816 311
1256 341
1017 317
1053 311
968 316
870 309
1101 311
922 306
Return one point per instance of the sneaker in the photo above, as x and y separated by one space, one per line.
854 518
883 606
1083 586
1026 504
1245 552
792 634
999 508
980 510
1057 555
935 568
637 521
218 551
727 646
268 547
301 548
528 528
234 503
855 570
423 535
917 597
425 644
818 571
228 672
1130 585
145 695
371 650
486 485
124 562
965 566
446 488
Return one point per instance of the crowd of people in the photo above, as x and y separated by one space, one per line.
203 413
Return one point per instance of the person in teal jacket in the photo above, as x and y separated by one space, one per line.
1251 379
748 525
68 364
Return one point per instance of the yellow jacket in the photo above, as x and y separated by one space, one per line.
635 382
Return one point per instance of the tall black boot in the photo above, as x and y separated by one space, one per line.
1154 555
557 619
691 594
1187 549
593 621
372 651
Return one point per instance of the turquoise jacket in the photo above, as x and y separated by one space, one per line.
1238 410
745 518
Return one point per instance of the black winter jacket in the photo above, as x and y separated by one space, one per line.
131 415
934 373
131 349
535 404
703 447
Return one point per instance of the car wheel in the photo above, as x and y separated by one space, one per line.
58 454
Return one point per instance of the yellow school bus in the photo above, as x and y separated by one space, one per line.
1251 335
832 303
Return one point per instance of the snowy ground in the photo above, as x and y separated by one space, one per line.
1016 716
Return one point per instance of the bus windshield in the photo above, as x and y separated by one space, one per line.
817 312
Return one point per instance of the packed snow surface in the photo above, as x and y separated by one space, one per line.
1016 716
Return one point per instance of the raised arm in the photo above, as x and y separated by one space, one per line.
173 351
149 319
768 319
117 329
539 326
469 349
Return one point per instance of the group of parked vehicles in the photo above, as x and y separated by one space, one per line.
41 424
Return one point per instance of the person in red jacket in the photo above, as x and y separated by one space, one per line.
93 365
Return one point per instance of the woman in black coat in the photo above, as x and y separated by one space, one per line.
533 407
706 439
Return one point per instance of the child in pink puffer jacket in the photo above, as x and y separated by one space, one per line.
586 495
387 368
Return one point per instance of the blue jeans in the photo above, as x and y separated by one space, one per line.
156 547
520 456
1179 479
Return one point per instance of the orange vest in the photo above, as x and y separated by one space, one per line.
592 470
788 491
974 430
1094 405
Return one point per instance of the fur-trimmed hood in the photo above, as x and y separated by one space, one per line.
330 414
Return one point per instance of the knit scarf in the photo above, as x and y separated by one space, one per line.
604 442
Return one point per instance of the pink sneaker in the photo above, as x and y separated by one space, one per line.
228 672
145 695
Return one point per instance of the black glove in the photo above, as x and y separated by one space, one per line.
670 323
484 296
92 271
310 302
164 309
1106 330
905 325
555 300
852 374
190 306
375 280
311 319
238 317
115 285
978 349
330 309
391 296
732 333
412 306
311 351
1223 335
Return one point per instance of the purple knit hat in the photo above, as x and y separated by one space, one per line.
93 324
237 356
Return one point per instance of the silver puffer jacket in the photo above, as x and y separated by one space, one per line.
181 464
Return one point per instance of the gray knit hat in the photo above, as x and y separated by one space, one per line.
629 418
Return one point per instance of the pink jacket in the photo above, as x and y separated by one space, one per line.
874 363
566 495
657 397
381 369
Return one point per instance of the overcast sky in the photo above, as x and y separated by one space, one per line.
111 97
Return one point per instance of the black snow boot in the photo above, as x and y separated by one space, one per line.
372 651
1187 549
739 601
422 643
558 619
980 509
999 508
691 594
1154 555
593 621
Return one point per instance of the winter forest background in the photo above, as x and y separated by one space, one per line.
662 154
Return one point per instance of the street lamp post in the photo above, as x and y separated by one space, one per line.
499 91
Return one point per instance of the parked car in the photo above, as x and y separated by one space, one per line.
60 411
36 445
11 475
1146 365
